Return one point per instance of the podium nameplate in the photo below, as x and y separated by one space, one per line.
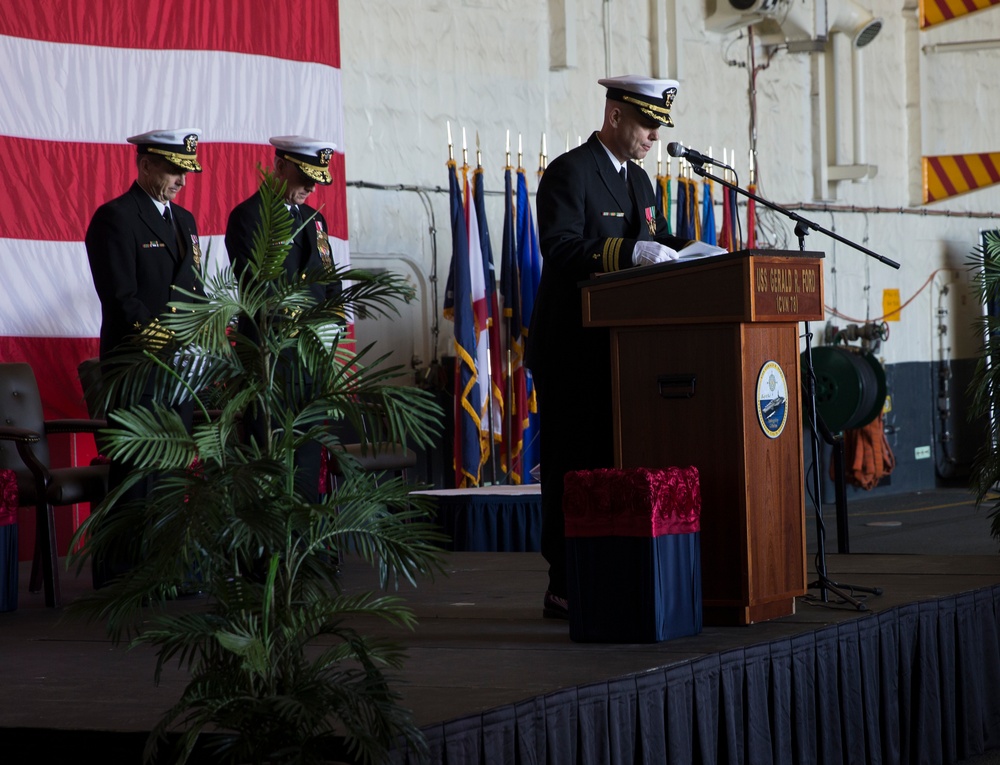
787 290
746 286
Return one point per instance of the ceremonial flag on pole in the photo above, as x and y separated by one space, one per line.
708 214
726 238
663 198
480 314
694 214
530 267
495 356
683 209
734 211
459 307
726 233
528 254
663 188
516 414
687 195
752 207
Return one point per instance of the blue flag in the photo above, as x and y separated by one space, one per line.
530 266
683 209
458 300
708 214
515 382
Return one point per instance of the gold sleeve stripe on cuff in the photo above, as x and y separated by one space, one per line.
612 250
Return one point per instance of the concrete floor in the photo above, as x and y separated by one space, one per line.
935 522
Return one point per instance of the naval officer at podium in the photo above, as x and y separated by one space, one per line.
596 213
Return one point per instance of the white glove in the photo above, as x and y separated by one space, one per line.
646 253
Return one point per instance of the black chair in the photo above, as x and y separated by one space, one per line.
24 449
89 372
370 455
381 457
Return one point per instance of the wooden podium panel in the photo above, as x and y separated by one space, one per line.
685 390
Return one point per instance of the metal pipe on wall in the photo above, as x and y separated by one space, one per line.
607 39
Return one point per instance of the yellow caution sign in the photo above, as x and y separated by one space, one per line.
890 305
948 175
937 11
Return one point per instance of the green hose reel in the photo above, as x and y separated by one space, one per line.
850 386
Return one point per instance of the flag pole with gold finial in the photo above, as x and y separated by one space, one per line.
751 207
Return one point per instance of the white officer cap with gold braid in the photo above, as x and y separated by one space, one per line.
311 155
650 96
179 146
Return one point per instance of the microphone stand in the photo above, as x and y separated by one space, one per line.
802 228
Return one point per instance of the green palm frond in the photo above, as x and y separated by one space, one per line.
271 240
156 438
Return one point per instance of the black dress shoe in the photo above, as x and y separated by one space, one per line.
555 607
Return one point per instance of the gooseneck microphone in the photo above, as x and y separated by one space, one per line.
675 149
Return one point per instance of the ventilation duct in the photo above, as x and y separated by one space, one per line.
851 19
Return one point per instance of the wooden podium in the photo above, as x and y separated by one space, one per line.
693 345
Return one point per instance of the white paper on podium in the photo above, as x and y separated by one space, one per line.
700 250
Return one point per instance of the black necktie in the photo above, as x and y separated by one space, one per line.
624 176
298 242
297 234
169 220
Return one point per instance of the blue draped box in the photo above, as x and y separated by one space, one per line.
633 545
8 541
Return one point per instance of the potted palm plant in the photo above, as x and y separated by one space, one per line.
277 671
984 389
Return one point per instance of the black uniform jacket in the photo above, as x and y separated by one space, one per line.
587 224
138 262
306 254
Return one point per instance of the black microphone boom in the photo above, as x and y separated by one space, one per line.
675 149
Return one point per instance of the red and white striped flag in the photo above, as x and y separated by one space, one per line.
79 76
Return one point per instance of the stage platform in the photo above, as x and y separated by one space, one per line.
911 679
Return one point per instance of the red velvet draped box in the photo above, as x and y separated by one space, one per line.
8 540
633 554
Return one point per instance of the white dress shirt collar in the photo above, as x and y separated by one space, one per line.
614 160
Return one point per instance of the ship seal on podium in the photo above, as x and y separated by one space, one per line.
772 399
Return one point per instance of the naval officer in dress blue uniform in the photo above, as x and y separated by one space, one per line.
597 213
144 250
300 163
143 246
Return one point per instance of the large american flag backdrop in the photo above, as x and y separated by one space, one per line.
79 76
